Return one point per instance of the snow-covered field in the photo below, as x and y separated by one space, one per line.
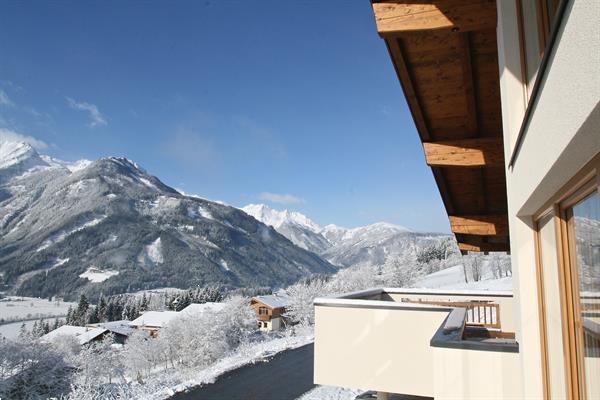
11 331
453 278
97 275
22 308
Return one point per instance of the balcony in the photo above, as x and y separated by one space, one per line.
430 343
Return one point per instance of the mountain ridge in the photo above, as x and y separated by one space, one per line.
377 243
107 226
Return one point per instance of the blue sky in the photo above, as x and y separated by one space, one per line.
294 104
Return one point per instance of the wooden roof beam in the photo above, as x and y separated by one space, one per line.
394 17
476 152
485 247
486 225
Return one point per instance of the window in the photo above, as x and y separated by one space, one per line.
583 231
536 21
568 274
546 11
263 311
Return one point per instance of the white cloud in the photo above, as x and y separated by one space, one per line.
4 100
97 119
280 198
6 135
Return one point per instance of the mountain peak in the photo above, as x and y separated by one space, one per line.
12 153
388 226
276 219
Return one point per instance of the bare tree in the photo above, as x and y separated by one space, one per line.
476 267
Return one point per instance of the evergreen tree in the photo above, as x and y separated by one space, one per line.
23 332
111 314
102 310
93 316
46 327
144 303
69 318
81 311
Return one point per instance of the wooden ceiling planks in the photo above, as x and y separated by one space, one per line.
445 56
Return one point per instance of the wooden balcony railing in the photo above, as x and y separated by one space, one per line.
479 313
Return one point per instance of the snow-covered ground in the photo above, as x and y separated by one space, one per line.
11 331
97 275
14 308
330 393
453 278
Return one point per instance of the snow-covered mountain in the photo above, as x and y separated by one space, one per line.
16 158
300 229
376 244
108 226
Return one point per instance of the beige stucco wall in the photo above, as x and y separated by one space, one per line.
376 349
389 350
562 136
563 132
477 375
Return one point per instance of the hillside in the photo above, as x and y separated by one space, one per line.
108 226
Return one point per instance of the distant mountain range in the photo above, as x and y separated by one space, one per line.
378 243
107 226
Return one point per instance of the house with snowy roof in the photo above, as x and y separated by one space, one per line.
153 321
83 334
121 330
196 310
270 311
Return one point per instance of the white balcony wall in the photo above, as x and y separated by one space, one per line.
376 349
384 345
477 375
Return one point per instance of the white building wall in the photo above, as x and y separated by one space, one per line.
562 136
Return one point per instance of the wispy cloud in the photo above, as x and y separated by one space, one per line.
4 99
280 198
264 138
7 135
192 149
96 117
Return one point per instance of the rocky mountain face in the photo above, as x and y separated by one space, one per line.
374 244
108 226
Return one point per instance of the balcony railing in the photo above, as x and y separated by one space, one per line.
418 342
478 313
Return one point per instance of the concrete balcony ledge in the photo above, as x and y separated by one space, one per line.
416 342
451 334
374 297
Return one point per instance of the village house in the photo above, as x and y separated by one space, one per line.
270 310
153 321
120 330
83 334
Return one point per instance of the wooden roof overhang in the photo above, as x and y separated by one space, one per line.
446 58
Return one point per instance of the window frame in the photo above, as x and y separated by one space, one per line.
584 183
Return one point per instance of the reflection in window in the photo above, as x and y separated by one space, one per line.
586 228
